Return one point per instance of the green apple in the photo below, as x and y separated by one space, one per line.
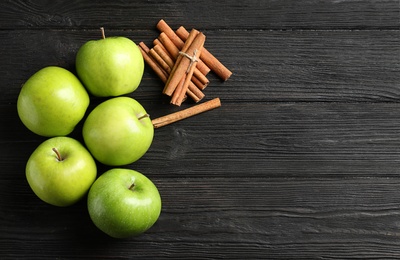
52 102
118 131
123 203
60 171
111 66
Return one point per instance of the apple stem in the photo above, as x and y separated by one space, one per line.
132 186
144 116
103 34
59 158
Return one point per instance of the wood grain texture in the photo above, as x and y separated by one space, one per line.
228 218
333 66
202 14
257 140
301 161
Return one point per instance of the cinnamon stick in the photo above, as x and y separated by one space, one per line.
193 91
178 42
176 95
163 64
201 78
186 113
162 26
159 48
209 59
200 81
157 42
196 54
165 43
183 64
155 67
170 86
169 45
144 47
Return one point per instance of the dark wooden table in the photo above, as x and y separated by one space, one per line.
302 161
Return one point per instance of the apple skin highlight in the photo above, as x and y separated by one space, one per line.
60 182
110 67
116 133
52 102
124 203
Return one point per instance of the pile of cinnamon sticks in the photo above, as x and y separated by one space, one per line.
182 63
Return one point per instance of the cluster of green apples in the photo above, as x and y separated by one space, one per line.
61 171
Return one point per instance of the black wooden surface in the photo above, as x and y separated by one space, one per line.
300 162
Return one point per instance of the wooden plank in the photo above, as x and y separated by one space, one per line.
300 162
333 66
253 139
232 218
202 14
274 139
